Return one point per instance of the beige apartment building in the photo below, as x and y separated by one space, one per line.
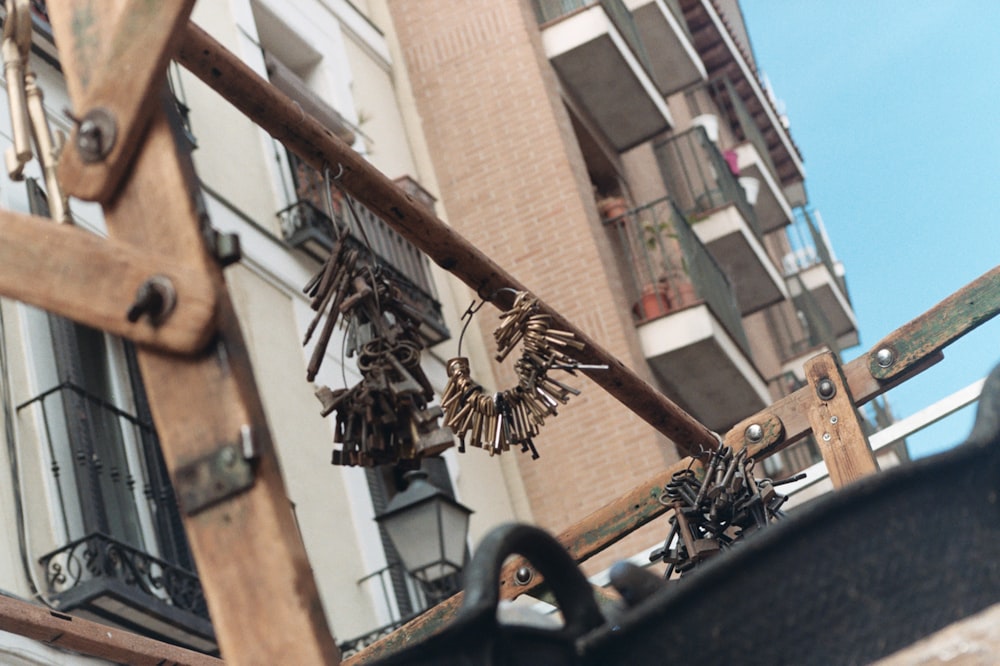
622 158
625 160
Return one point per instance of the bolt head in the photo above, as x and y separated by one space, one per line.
885 357
96 135
228 456
826 437
523 576
754 433
825 388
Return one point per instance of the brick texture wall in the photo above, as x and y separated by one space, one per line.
513 181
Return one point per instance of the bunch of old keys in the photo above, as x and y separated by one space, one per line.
496 421
713 513
27 110
385 417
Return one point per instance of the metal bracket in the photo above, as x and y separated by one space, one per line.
217 476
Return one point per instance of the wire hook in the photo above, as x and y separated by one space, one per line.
467 316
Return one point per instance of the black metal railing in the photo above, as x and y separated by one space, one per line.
547 11
728 104
98 556
669 268
817 329
381 585
700 179
108 472
305 225
809 247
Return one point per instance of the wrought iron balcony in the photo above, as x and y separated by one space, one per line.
689 323
102 577
718 97
672 59
109 479
401 596
705 188
304 225
595 47
670 269
814 274
723 55
547 11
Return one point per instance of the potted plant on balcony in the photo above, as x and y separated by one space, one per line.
612 207
668 286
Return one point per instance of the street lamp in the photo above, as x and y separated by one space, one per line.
429 530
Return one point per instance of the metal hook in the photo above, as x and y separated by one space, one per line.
467 315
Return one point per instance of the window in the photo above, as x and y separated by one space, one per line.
125 560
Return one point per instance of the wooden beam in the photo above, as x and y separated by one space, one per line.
281 117
835 423
786 420
251 561
582 540
781 424
94 280
140 43
91 638
969 307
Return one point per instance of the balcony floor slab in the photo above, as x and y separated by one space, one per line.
756 282
605 77
701 369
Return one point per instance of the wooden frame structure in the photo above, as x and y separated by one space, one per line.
128 155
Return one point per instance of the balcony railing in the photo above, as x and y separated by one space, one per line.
382 585
809 247
669 268
101 456
547 11
678 13
98 558
817 329
734 111
700 178
304 225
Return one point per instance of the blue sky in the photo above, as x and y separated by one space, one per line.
895 105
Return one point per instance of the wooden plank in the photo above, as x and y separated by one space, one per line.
252 564
123 84
582 540
835 423
276 113
786 420
959 313
91 638
93 280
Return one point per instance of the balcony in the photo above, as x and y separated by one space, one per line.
673 60
109 480
595 47
688 322
305 226
719 98
107 581
399 597
814 275
724 58
714 203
